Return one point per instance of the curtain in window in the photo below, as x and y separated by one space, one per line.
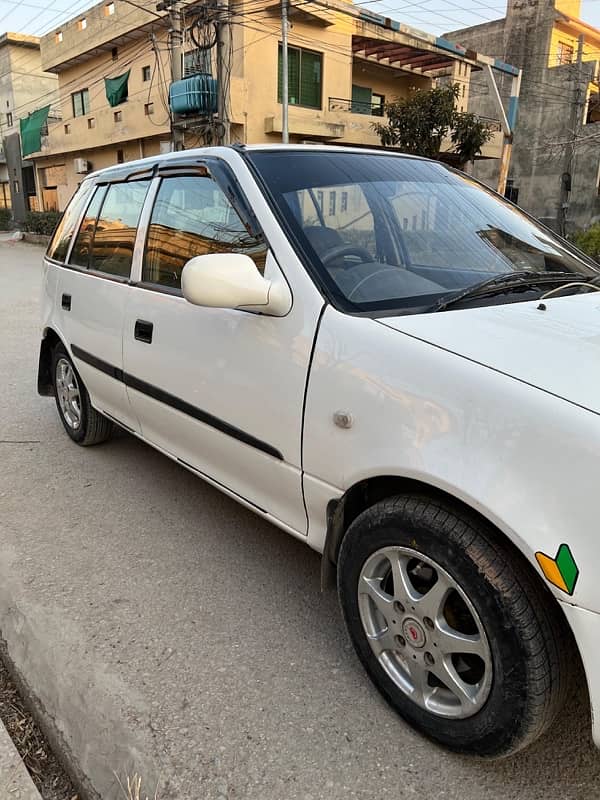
31 131
117 89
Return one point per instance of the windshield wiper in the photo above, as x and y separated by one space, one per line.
506 281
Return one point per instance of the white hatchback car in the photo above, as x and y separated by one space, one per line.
388 361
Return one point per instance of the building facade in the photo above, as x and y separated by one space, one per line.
344 65
23 87
555 167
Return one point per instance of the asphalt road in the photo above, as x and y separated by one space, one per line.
165 629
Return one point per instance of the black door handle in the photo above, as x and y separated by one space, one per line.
66 302
143 331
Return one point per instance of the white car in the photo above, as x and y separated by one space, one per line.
386 360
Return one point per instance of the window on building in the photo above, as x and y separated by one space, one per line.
81 103
564 54
148 109
5 195
377 104
109 9
114 53
511 192
332 203
305 69
67 129
146 73
192 217
92 122
196 61
320 201
9 119
58 37
82 24
114 238
118 116
120 157
344 202
66 229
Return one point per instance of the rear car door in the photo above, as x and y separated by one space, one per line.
221 390
94 290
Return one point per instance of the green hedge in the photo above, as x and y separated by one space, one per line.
588 241
41 221
5 219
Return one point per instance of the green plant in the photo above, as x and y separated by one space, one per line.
5 219
43 222
419 123
588 241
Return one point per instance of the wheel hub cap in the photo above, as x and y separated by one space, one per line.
425 632
67 392
413 632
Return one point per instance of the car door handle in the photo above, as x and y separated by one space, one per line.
66 302
143 331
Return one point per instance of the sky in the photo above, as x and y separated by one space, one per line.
435 16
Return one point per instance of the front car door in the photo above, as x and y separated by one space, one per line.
221 390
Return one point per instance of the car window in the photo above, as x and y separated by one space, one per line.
193 217
396 234
59 245
80 254
116 228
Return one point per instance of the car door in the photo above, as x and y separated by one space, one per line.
94 291
221 390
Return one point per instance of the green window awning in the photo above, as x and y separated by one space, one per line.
117 89
31 131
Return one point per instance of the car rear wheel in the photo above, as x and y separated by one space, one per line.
452 626
81 421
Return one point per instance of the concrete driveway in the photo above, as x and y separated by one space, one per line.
165 630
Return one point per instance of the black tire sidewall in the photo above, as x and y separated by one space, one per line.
77 435
493 729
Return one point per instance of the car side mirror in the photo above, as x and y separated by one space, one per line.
231 280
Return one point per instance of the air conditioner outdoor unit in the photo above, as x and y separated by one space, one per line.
82 166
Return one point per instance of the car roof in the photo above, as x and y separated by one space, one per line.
141 165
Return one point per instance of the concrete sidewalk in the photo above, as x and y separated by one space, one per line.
164 630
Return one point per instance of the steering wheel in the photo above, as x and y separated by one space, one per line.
346 250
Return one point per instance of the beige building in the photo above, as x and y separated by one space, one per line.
344 64
24 87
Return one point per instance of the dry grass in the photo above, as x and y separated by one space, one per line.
133 790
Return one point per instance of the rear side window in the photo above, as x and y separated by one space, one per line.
116 228
192 217
80 254
61 240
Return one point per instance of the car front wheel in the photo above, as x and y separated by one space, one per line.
81 421
452 626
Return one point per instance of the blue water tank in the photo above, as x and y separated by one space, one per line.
194 95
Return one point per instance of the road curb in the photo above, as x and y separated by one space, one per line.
15 781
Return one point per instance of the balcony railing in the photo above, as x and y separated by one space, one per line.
490 124
355 106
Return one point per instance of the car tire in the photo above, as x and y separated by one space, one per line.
82 422
453 626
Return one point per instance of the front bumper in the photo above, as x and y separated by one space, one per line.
586 629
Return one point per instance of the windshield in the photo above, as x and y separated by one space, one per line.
384 232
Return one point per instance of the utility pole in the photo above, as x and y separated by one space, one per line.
223 71
285 133
566 180
176 49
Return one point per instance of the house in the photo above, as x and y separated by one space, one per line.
23 87
344 64
555 165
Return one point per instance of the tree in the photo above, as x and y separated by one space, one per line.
419 124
